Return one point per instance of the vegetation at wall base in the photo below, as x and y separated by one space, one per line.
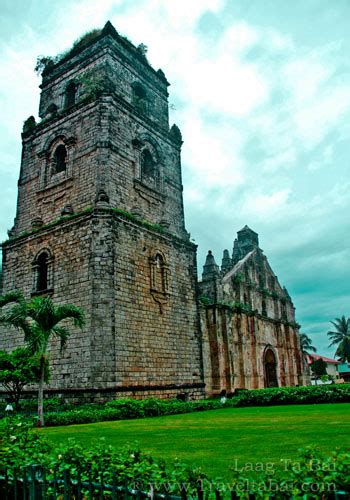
58 413
18 369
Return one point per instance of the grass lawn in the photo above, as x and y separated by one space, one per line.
215 439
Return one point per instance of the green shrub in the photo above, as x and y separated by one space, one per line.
295 395
313 476
128 408
83 416
20 445
58 413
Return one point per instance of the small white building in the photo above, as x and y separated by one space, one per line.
332 366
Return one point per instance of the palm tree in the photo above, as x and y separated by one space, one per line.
306 344
10 297
341 338
40 320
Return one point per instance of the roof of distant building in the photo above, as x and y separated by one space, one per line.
313 357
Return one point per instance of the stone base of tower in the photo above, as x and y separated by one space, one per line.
185 392
137 288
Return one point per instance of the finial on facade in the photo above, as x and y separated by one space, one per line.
246 241
210 269
29 124
175 134
102 199
161 73
226 263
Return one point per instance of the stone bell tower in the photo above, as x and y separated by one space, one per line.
100 224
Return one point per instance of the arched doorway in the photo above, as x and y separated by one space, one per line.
270 369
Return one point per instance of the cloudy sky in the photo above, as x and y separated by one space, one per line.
261 92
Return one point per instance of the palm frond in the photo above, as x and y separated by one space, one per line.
36 340
14 296
42 311
69 312
39 319
16 317
306 343
343 350
335 338
340 337
341 325
62 333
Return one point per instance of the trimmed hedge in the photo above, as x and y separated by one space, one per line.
122 409
295 395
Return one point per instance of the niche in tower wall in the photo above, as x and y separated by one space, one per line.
159 272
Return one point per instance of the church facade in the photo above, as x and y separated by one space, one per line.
100 224
249 333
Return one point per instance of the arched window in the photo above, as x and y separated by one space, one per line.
42 269
263 307
42 276
71 92
139 98
60 159
283 310
147 165
149 171
261 281
270 368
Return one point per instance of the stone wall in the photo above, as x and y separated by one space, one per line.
250 335
69 244
43 195
157 326
234 348
138 339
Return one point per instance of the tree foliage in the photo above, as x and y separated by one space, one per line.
341 338
319 367
17 369
40 320
306 344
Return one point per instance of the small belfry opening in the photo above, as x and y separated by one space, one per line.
71 95
148 167
270 369
60 159
139 97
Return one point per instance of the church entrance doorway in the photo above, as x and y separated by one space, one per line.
270 368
